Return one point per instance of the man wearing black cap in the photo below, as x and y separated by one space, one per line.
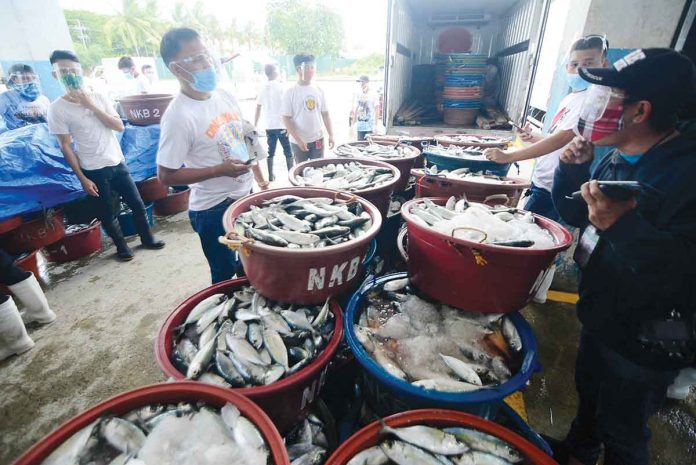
637 253
364 109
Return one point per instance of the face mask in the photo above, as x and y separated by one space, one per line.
71 82
127 75
576 82
204 80
609 123
29 91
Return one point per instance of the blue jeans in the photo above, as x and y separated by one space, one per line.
223 262
539 201
616 398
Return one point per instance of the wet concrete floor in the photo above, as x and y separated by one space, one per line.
109 314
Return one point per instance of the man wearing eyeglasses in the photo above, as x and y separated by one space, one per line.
203 143
23 103
88 119
636 253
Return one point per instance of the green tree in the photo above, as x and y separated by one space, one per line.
136 26
294 26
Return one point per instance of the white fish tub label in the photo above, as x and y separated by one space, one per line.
312 391
144 113
317 276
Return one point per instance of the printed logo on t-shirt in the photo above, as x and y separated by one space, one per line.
228 131
558 118
310 103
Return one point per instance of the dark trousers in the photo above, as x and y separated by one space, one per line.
616 399
275 136
111 181
222 261
539 201
362 135
10 273
316 150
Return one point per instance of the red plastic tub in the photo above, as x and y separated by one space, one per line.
481 192
403 164
379 196
29 262
302 276
158 394
286 400
477 277
10 223
370 435
172 204
76 245
37 233
152 189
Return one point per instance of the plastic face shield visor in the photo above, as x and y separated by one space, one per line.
601 112
197 62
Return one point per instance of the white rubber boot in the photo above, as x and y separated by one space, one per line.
13 335
540 295
36 308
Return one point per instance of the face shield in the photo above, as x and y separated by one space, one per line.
601 112
201 71
70 78
26 84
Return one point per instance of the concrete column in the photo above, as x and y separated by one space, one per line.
29 32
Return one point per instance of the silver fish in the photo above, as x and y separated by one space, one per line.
202 307
370 456
403 453
122 434
201 360
462 370
256 335
445 385
428 438
511 335
243 349
275 345
486 443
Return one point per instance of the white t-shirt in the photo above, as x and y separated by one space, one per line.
566 118
365 105
271 100
305 104
200 134
96 144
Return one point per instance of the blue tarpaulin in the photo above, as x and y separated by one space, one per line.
34 175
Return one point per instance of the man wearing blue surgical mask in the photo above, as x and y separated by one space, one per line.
22 104
205 143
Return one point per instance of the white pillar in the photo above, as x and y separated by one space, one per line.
29 31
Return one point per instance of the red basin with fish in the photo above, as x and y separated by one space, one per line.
34 234
76 245
285 401
478 277
370 435
475 191
158 394
379 196
303 276
403 164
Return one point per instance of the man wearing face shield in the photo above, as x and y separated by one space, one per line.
636 253
589 51
205 143
88 120
22 104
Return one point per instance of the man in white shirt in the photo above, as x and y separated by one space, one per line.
203 143
88 120
364 111
270 100
22 104
138 83
304 108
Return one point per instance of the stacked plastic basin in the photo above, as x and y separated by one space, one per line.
463 84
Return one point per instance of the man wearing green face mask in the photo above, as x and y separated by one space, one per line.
88 119
23 104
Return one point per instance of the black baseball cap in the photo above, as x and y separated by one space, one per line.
363 78
653 74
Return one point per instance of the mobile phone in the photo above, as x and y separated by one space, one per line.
620 190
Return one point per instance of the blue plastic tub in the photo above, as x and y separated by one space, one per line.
445 162
388 395
127 224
